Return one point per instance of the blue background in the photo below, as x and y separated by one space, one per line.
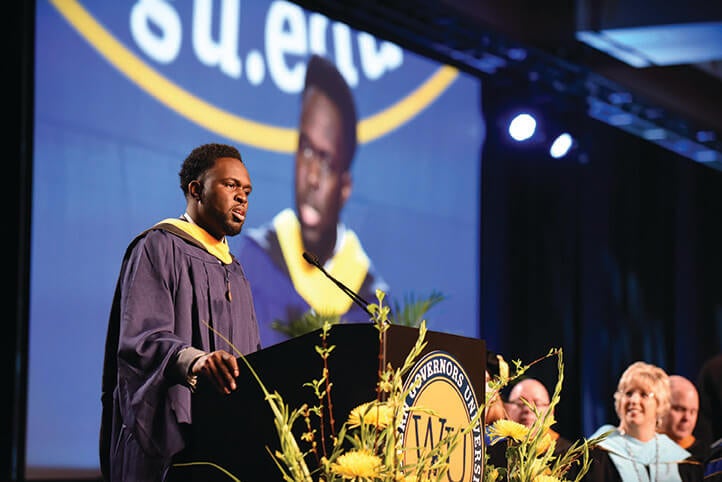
106 161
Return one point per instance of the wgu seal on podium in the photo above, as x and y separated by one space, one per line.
441 401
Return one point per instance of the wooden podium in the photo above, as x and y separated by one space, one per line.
236 431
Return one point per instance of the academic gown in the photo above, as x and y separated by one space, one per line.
167 288
696 447
667 461
713 463
272 255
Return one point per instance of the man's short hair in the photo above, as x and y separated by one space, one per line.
322 74
203 158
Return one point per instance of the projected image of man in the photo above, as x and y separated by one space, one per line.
285 286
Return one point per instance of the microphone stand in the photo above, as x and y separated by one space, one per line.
313 260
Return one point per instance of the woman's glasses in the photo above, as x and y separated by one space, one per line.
644 395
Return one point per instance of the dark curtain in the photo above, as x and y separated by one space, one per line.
611 253
19 100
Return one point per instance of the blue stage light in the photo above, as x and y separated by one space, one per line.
522 127
561 145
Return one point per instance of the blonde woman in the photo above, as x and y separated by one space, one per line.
634 451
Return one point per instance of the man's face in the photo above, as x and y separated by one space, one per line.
681 419
323 183
221 198
534 393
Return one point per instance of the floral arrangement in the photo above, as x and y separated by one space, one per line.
368 445
530 451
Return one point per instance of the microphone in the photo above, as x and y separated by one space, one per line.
313 260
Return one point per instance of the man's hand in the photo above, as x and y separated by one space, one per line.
220 367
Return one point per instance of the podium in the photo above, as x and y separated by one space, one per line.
235 432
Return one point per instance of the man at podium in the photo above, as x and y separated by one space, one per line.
182 306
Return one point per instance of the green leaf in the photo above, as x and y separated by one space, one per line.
411 312
308 322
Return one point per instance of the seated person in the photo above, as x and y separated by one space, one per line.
681 419
634 451
535 393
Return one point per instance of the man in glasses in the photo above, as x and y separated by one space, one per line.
285 286
535 394
527 395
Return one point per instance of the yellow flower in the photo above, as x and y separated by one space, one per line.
492 475
549 422
538 467
357 464
544 442
386 386
405 478
380 415
507 429
414 478
545 478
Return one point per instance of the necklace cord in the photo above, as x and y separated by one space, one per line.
634 460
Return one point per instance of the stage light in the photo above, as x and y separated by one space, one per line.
522 127
561 145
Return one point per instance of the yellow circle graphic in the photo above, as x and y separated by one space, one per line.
223 122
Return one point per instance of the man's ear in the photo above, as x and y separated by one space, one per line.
194 189
346 186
